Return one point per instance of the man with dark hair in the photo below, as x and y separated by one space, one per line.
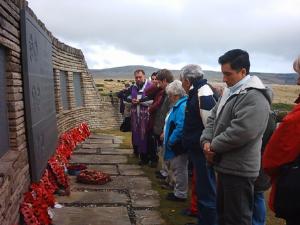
232 138
158 111
199 104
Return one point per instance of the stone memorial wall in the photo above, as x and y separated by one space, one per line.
92 108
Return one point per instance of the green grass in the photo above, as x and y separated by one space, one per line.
282 106
169 210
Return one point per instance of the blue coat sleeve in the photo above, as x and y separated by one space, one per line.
179 121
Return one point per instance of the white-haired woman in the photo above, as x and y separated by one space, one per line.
175 155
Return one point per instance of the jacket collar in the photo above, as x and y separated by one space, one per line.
182 99
196 85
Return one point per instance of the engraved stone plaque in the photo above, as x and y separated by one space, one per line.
4 141
39 96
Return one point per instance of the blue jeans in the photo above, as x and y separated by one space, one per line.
205 188
259 209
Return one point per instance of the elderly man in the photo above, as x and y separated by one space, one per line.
233 136
200 102
139 114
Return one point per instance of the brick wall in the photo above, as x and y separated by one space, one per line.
96 110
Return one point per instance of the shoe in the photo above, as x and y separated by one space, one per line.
188 212
153 164
172 197
166 187
157 172
161 177
142 163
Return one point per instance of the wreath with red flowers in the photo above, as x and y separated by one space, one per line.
93 177
34 208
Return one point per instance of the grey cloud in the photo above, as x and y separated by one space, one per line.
198 30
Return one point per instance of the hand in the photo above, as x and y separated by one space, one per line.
206 146
208 153
161 137
135 101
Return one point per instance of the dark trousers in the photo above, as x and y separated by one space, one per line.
205 188
293 221
152 147
235 199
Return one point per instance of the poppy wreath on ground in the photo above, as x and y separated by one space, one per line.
34 208
35 205
93 177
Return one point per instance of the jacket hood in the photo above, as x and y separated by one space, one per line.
256 83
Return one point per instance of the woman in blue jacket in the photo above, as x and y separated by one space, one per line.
175 156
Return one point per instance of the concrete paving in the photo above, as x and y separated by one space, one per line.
91 216
126 200
98 159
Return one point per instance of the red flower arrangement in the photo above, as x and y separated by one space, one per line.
93 177
34 208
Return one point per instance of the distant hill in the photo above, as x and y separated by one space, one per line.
126 72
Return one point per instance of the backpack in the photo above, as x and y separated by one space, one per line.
263 181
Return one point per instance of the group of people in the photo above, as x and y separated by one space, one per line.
225 133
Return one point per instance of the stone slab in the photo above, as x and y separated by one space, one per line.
116 151
101 136
92 197
117 141
148 217
144 198
130 170
109 169
98 159
142 184
99 145
91 216
99 141
85 151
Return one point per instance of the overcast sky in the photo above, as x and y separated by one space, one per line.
172 33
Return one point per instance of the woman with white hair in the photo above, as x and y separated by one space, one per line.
175 156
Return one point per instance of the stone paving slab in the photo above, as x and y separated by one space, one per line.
99 141
98 159
144 198
118 182
109 169
91 216
130 170
86 151
148 217
101 136
99 145
117 140
116 151
92 197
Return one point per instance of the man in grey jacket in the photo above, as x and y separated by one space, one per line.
233 136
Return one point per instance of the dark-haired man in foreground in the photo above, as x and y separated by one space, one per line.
233 136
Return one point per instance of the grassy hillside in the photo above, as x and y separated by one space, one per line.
126 72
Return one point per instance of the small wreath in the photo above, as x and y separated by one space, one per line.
93 177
